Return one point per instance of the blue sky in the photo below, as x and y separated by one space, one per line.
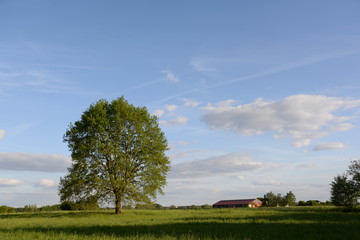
253 96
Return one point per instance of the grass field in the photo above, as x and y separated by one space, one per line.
261 223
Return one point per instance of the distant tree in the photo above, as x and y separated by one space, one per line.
55 207
313 203
30 208
290 199
345 189
118 154
273 200
206 206
302 203
6 209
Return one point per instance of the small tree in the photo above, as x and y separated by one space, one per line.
118 154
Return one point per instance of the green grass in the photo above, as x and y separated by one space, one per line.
261 223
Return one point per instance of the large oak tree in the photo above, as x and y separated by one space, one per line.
118 155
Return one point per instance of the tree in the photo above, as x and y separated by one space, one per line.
118 155
345 189
273 200
354 171
290 199
343 192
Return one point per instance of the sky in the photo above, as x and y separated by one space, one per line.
253 96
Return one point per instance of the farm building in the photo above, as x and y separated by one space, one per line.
254 202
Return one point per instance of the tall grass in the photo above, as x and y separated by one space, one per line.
261 223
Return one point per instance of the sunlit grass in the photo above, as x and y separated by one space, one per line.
262 223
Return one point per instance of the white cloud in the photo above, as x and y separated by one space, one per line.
159 113
45 183
329 146
5 182
302 117
170 108
174 122
190 102
182 143
170 76
167 108
34 162
215 166
2 134
267 182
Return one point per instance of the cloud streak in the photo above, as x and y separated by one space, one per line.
329 146
215 166
45 183
294 65
5 182
34 162
181 120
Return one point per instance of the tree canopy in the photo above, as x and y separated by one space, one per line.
118 155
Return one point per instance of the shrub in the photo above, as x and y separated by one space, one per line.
302 203
68 206
88 204
6 209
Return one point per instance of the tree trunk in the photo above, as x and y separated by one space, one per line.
117 206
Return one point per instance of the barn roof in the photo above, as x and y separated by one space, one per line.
235 202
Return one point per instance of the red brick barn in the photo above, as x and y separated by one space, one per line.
251 203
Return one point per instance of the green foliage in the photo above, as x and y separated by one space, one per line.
149 206
68 206
313 203
290 199
345 189
118 154
6 209
206 206
30 208
277 200
344 192
85 204
48 208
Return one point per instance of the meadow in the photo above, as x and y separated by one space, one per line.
262 223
